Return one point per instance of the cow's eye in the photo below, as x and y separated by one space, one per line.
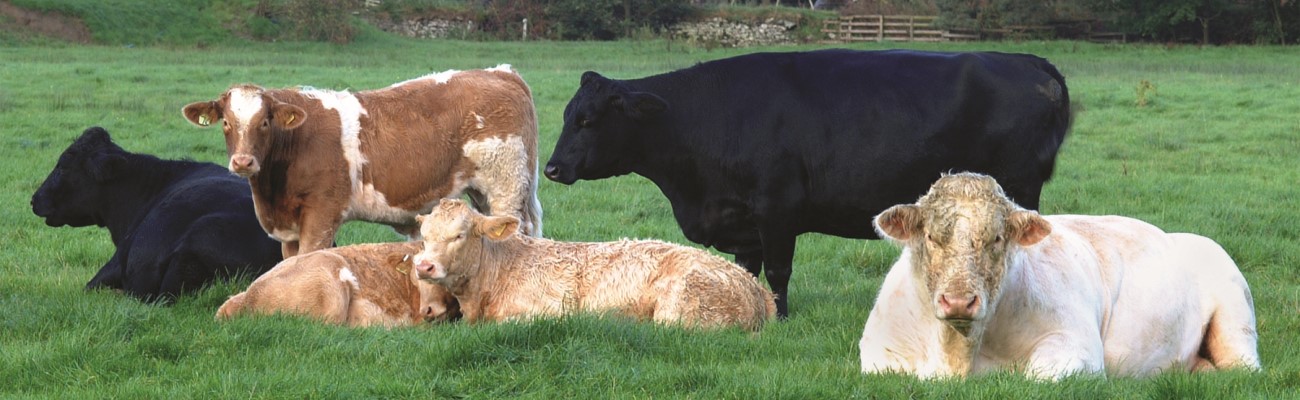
266 123
585 123
225 124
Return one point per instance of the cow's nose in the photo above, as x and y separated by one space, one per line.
425 267
959 306
241 161
552 171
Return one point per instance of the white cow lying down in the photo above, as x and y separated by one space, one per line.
496 274
983 284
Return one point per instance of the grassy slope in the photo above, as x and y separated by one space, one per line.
1213 153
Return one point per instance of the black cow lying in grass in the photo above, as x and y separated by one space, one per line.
177 224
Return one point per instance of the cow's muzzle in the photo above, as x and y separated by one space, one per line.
558 174
244 165
959 307
428 270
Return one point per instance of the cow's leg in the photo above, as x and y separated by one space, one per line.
1059 355
508 180
110 275
318 230
1024 192
513 201
289 248
752 261
1230 338
778 257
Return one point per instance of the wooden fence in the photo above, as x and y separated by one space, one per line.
916 28
879 28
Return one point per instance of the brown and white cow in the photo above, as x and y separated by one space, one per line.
317 158
498 275
983 284
359 285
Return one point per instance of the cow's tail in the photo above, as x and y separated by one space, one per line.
533 210
232 307
1060 122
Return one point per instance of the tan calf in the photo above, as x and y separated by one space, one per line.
361 285
497 275
317 158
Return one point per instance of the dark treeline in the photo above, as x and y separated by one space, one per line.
1172 21
1182 21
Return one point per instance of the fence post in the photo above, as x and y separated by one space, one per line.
880 28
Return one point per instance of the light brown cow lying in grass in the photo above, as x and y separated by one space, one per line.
497 275
983 284
360 285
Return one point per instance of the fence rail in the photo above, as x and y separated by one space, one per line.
920 28
879 28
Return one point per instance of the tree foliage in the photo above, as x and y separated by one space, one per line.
1190 21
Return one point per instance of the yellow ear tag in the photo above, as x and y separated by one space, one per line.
501 230
203 120
291 118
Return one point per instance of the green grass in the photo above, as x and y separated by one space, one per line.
1214 152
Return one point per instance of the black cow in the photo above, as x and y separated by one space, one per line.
177 225
755 150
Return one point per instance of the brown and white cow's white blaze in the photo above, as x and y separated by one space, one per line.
983 284
498 275
317 158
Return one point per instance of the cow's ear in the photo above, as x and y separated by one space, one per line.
202 113
639 105
588 77
497 228
287 116
1028 228
103 167
899 223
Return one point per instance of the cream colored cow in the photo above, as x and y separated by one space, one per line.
983 284
498 275
359 285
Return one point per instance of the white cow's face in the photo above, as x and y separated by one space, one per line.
961 234
453 238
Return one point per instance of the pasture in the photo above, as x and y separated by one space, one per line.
1190 139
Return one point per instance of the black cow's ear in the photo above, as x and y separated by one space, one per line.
96 134
589 76
641 105
104 167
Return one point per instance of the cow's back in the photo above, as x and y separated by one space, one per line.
417 137
839 132
199 227
1156 293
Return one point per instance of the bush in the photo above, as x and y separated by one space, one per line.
319 20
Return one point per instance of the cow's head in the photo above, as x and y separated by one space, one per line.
961 235
600 123
73 192
435 303
249 118
453 239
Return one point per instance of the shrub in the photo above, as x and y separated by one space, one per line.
320 20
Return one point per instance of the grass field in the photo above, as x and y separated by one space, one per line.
1213 151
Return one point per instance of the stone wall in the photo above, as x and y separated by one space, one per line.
710 32
426 28
735 34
